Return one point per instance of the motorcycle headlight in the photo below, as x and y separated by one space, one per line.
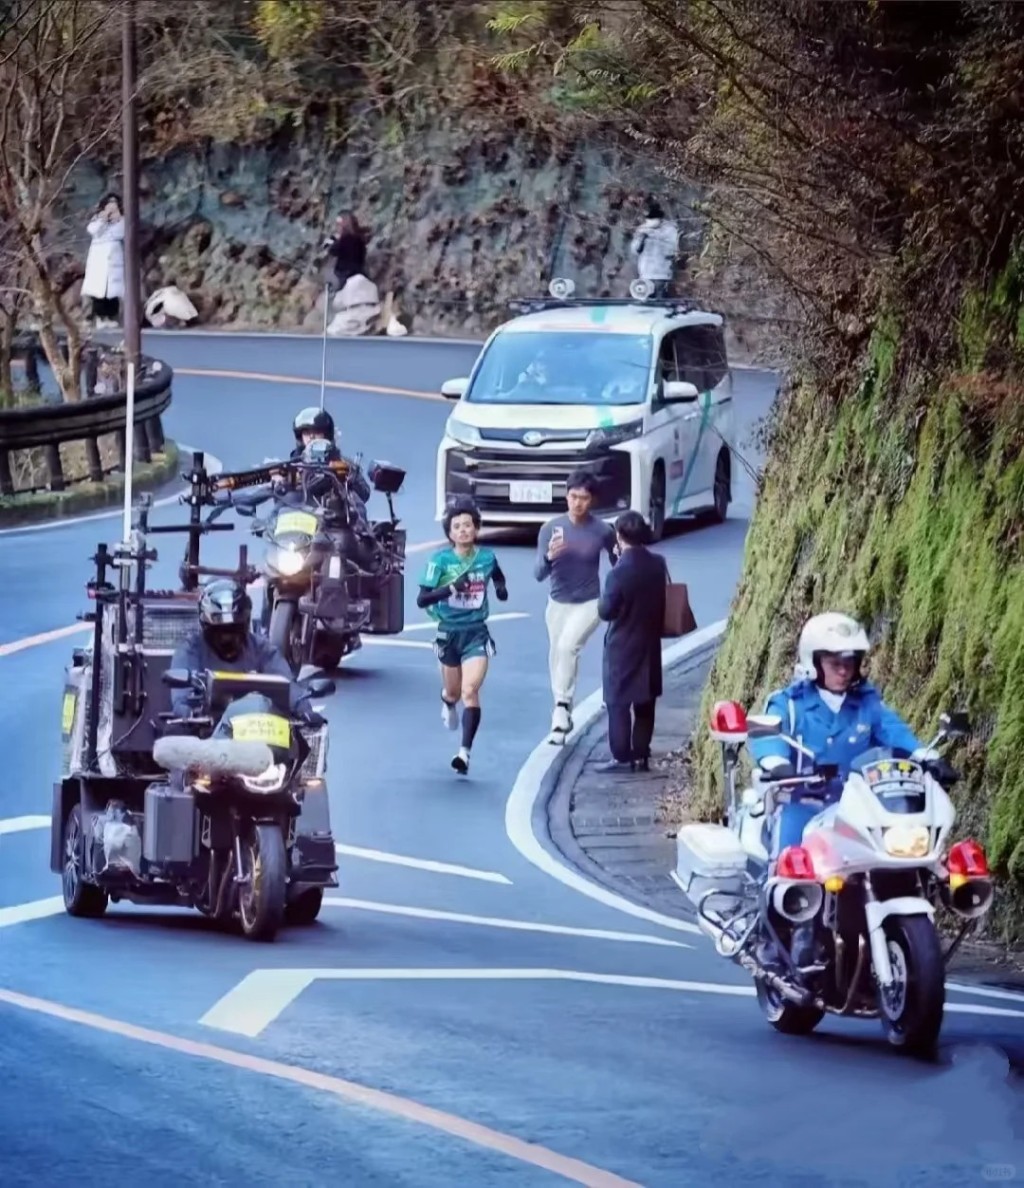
907 841
272 780
287 562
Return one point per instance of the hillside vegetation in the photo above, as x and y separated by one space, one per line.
872 155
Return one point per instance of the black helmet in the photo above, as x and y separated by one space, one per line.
225 612
313 420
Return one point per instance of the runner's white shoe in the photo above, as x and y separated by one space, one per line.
449 715
461 761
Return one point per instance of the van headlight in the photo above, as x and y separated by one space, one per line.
907 841
272 780
610 435
462 433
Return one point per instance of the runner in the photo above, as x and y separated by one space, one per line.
453 590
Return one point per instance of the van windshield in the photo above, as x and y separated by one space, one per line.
575 367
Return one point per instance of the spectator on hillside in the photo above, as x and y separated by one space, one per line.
347 249
104 266
655 245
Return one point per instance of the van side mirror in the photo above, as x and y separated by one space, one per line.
678 392
454 389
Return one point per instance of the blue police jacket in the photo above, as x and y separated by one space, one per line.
863 721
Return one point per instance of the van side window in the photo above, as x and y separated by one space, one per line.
702 356
667 361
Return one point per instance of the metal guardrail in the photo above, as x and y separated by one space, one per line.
49 426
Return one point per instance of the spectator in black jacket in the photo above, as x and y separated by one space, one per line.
347 249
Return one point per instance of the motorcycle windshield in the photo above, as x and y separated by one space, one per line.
296 527
898 783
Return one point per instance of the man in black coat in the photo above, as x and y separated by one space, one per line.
633 605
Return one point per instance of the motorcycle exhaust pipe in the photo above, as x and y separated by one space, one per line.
971 900
798 900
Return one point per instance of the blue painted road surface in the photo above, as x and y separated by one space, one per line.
457 1014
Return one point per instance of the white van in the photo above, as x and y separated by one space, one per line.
638 392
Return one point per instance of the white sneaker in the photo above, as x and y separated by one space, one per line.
449 715
561 725
461 761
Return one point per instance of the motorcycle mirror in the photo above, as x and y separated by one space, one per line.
177 678
763 725
956 723
320 686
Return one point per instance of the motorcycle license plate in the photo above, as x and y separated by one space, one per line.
296 521
264 728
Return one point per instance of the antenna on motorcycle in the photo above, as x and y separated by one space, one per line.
323 353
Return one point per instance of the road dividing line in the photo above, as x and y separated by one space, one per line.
466 872
395 909
351 1092
264 377
430 625
39 909
22 824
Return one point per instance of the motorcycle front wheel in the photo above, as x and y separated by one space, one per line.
284 632
262 900
912 1010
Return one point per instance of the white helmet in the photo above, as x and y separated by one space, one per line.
830 632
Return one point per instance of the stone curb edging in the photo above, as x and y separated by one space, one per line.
53 507
551 811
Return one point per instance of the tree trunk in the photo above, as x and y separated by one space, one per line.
6 374
51 310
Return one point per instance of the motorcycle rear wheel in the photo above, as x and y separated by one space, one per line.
912 1014
261 902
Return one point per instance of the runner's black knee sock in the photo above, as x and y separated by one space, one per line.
470 724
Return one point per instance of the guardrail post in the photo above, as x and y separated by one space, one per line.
122 449
6 478
155 433
141 445
92 457
55 467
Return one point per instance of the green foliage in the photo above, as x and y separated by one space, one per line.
286 28
886 504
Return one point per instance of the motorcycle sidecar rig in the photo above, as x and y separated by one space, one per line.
113 835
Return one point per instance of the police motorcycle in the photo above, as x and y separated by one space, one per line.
327 579
869 877
241 829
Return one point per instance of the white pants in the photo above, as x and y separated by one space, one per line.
570 625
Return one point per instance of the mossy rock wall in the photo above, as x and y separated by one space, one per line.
902 503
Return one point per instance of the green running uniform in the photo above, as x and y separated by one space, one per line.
462 619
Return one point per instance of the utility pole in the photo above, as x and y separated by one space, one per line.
130 171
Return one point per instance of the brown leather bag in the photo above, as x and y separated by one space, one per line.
679 618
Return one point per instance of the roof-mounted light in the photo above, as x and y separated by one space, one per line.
640 290
562 288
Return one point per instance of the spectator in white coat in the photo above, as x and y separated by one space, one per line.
655 245
104 266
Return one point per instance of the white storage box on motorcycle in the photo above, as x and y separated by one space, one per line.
709 858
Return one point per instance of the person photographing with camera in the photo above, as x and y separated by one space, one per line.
569 550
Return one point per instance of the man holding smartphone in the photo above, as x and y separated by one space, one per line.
569 550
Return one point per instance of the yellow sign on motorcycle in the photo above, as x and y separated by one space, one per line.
265 728
296 521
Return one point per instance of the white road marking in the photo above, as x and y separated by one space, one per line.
430 625
465 1129
466 872
39 909
985 991
21 824
391 642
395 909
262 995
533 779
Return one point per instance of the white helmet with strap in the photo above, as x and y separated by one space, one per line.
831 632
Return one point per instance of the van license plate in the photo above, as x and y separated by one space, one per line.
529 492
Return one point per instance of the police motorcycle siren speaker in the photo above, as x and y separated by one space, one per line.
640 290
562 288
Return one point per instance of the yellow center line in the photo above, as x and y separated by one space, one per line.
405 1108
267 378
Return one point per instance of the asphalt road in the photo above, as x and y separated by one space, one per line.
451 975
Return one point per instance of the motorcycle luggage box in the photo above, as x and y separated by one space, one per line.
709 857
169 827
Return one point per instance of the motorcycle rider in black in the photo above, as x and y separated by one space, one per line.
313 424
224 641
